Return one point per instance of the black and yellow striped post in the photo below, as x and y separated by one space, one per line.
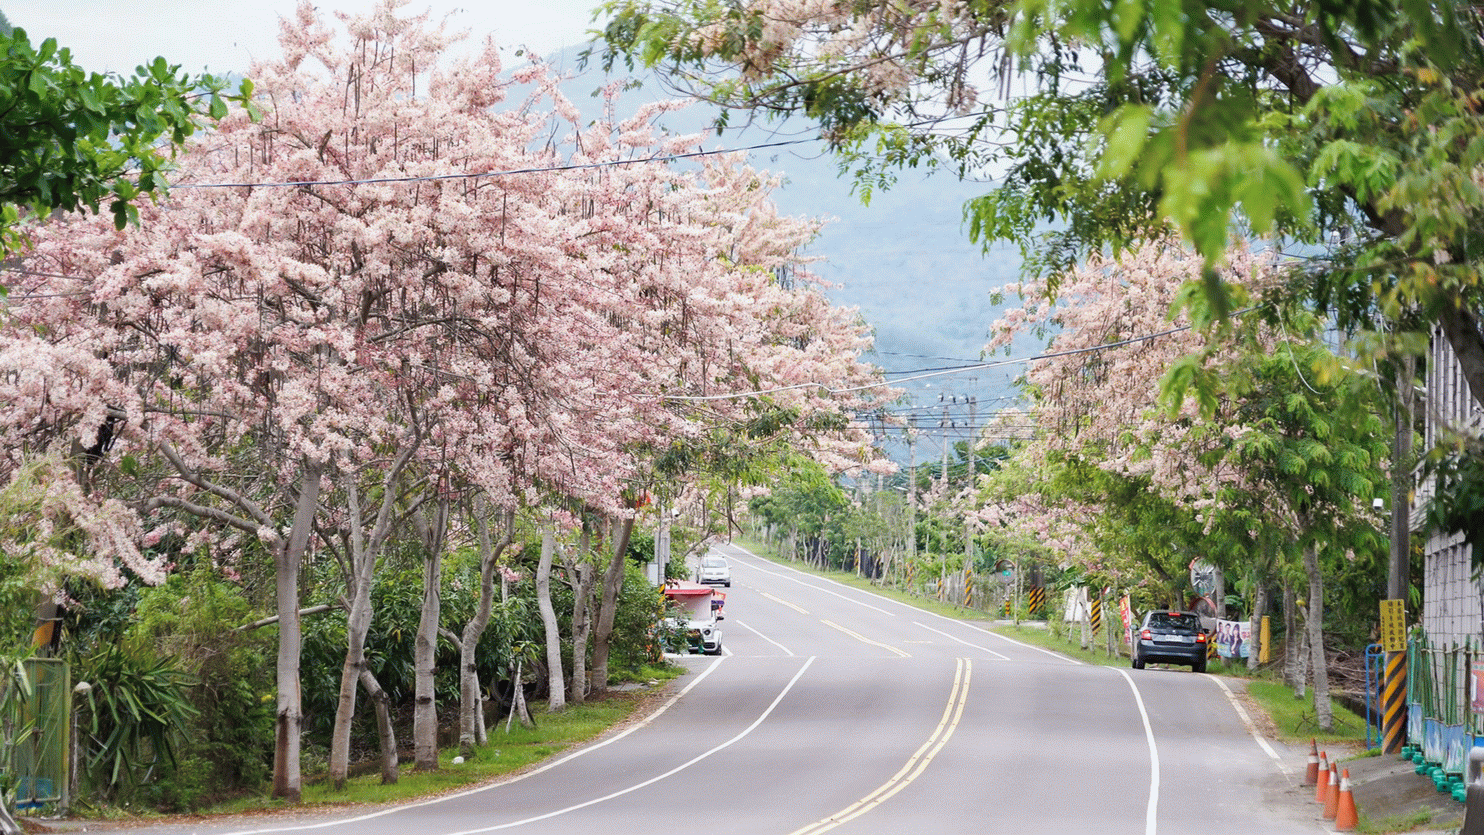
1097 616
1037 601
1394 704
1394 683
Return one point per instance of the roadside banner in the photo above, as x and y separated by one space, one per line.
1233 638
1127 614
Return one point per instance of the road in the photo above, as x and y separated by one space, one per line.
836 710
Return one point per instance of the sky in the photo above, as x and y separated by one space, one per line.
223 36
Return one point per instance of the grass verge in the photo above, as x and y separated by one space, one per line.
506 754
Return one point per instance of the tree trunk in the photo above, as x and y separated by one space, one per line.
357 624
386 732
1318 663
518 707
583 572
608 605
363 550
1259 608
287 780
471 704
557 699
8 824
425 706
1293 643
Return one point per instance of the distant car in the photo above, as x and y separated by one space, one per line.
1171 638
715 570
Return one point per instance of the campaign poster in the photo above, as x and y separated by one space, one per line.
1233 638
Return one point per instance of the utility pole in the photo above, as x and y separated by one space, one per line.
911 489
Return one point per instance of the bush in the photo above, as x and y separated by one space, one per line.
210 686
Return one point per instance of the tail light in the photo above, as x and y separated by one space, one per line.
1200 637
1146 635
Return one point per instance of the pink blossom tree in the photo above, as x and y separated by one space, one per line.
1249 461
401 304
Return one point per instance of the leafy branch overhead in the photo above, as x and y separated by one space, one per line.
73 140
1101 124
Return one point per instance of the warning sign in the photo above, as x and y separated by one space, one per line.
1393 626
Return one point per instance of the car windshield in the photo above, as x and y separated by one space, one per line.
713 562
1174 620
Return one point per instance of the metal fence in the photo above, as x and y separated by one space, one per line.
38 731
1445 702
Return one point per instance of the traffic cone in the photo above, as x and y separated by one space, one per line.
1332 797
1311 774
1346 818
1321 780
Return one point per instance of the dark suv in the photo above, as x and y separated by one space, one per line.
1171 638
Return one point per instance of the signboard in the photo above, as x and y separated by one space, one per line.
1233 638
1393 626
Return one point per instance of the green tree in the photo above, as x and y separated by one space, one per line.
73 140
1352 127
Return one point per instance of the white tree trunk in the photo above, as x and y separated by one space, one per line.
287 779
557 700
386 732
363 550
471 705
425 705
583 572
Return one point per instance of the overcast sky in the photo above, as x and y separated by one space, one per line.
227 35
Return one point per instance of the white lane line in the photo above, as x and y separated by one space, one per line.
1251 728
1056 655
780 600
962 641
651 781
958 696
1151 812
669 703
764 637
863 639
811 585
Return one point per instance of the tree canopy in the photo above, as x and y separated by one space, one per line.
72 140
1348 127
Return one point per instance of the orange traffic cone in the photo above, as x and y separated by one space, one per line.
1346 819
1311 774
1321 780
1332 797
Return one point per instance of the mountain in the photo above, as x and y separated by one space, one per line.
903 259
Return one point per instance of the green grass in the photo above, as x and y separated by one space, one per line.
1393 824
1295 718
505 754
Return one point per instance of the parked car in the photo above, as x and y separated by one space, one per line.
713 570
1171 638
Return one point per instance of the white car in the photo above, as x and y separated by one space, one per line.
714 570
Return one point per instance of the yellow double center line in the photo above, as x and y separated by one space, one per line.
952 712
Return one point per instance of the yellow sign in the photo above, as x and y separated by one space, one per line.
1393 626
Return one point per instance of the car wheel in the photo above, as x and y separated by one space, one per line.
1137 662
729 584
1199 666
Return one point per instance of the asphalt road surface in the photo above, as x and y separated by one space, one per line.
835 710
